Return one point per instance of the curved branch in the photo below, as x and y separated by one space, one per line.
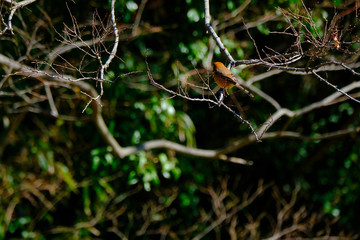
273 118
196 152
120 151
68 80
15 6
219 103
329 99
289 134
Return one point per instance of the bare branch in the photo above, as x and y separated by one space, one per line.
213 33
138 18
335 87
103 128
54 111
218 103
14 6
113 51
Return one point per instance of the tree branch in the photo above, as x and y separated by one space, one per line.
120 151
15 6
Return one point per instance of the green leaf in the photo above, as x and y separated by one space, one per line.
131 6
199 49
95 162
66 176
193 15
263 29
86 201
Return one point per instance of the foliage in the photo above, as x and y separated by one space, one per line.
59 179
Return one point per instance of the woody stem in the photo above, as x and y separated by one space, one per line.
221 98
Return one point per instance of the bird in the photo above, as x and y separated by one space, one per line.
225 79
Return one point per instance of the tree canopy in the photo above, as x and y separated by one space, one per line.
112 126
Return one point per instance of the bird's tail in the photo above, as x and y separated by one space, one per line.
244 90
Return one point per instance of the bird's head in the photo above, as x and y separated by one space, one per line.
218 65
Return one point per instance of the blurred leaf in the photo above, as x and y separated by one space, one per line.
193 15
131 6
96 162
87 201
27 234
346 107
263 29
199 50
66 176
